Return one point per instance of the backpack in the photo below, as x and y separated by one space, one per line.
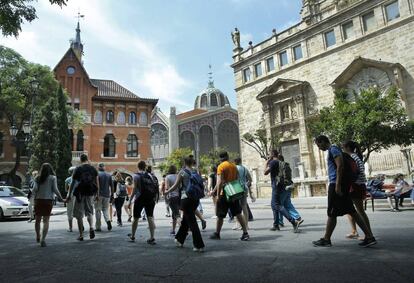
86 184
195 186
122 190
350 171
285 174
149 185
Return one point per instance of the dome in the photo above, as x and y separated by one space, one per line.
211 98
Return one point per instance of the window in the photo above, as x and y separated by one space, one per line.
213 100
297 52
132 118
270 64
1 143
247 75
79 141
258 70
330 39
109 145
110 116
132 146
98 117
283 58
121 118
76 106
143 119
348 30
368 20
392 11
204 101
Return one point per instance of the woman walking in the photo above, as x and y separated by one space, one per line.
45 187
71 203
121 194
173 197
130 188
358 189
189 207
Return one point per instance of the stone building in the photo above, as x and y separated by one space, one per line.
285 79
117 126
211 124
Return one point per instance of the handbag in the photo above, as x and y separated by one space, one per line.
233 190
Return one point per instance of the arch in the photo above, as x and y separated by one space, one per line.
132 118
110 116
120 119
79 141
98 117
1 143
159 141
213 100
109 146
143 119
228 136
132 146
187 139
206 139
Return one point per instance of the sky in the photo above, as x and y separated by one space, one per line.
159 48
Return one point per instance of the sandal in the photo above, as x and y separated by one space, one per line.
131 239
352 236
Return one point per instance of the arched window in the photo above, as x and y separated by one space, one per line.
143 119
1 143
228 136
187 139
98 117
203 101
132 118
110 116
132 146
79 141
109 145
159 134
206 139
121 118
213 98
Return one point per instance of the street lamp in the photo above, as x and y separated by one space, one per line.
27 128
13 131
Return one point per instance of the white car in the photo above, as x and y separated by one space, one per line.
13 202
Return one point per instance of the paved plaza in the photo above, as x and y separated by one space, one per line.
268 257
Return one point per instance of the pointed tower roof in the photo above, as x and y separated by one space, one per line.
76 44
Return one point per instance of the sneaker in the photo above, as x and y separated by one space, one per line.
215 236
151 242
245 237
367 242
167 215
296 225
178 244
91 234
43 244
69 230
131 239
119 224
129 218
201 250
80 239
172 233
275 228
322 243
109 225
203 224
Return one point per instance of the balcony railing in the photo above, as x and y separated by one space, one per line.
76 155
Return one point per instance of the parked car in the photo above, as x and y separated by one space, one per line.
13 202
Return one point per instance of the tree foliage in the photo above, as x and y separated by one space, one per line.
375 120
212 158
176 158
261 142
14 12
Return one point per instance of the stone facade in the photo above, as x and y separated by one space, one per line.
338 44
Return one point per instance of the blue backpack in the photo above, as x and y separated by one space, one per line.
195 186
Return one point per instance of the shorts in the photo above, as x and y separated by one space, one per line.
174 204
339 205
223 206
358 191
143 203
83 206
43 207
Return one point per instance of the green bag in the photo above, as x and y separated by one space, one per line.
234 190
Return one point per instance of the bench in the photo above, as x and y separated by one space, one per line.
386 187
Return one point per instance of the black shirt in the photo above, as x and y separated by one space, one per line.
81 170
274 169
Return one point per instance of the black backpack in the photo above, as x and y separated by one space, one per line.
122 190
87 184
149 185
285 174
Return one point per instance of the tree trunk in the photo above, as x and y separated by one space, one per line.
12 178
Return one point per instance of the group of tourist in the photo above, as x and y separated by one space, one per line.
229 184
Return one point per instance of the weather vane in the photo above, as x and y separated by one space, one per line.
210 74
79 16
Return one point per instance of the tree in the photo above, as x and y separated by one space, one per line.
44 145
261 143
375 120
64 144
212 158
176 158
23 87
76 119
14 12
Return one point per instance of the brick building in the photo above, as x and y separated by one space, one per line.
117 126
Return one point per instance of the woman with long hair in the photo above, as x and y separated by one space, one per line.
120 195
130 187
45 188
358 189
173 198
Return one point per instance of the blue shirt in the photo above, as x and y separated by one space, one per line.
333 152
105 184
274 169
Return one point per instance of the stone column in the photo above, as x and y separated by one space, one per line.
215 132
197 142
305 150
173 131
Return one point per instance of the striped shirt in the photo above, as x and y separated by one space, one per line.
361 176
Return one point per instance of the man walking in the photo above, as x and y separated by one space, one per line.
86 190
226 173
106 191
272 167
339 200
245 180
